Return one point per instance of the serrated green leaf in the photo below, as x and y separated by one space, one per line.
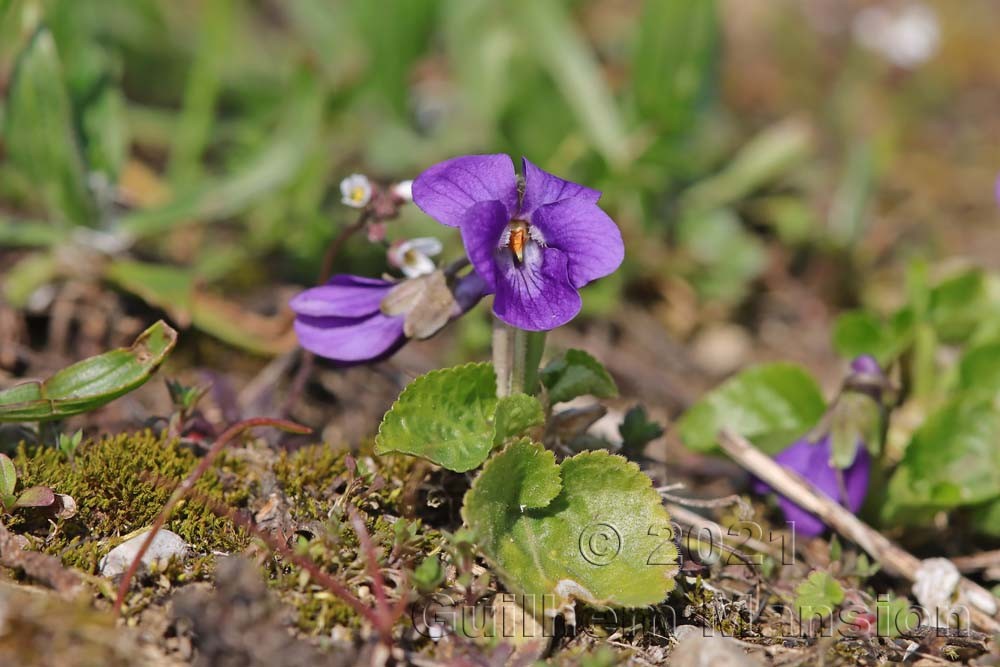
577 373
451 417
770 404
591 529
514 415
36 496
90 383
8 476
39 133
818 596
951 461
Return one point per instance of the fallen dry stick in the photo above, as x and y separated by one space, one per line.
893 559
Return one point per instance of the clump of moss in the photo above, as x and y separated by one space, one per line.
114 482
714 610
320 483
314 477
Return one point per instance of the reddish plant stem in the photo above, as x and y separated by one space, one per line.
326 268
382 623
371 562
187 484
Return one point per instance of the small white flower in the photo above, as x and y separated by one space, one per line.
403 190
413 256
356 191
906 38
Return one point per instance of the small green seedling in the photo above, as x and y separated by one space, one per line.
68 444
184 397
36 496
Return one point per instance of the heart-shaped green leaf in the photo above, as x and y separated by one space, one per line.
453 418
577 373
90 383
770 404
36 496
8 476
591 529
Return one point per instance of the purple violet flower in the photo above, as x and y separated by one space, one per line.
345 320
855 417
811 460
534 248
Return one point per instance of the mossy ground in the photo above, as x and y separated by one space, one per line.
119 485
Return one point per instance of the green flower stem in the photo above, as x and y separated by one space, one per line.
516 356
534 348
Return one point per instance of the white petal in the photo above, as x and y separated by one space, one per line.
403 190
356 191
426 245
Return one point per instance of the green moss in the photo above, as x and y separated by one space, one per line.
319 484
731 618
120 484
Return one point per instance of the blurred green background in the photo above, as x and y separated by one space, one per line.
769 161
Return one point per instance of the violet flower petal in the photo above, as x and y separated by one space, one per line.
812 462
536 295
482 226
449 188
589 238
797 456
351 340
469 290
541 188
342 296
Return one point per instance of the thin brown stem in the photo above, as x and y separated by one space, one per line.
187 484
326 268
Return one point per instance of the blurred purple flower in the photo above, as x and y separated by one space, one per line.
856 416
343 320
812 461
534 248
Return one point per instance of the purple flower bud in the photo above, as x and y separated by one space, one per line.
866 364
534 249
